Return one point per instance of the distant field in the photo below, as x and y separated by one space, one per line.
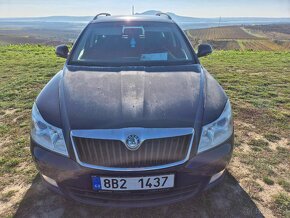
14 39
37 36
278 28
232 32
258 84
256 38
273 32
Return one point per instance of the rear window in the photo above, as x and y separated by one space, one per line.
131 43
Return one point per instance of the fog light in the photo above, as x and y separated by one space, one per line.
49 180
216 176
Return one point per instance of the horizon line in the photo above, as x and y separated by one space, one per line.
82 16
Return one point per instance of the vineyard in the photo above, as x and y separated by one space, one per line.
225 44
242 38
278 28
286 45
232 32
257 45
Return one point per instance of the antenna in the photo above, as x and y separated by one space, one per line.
133 10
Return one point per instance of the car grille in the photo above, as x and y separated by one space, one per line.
113 153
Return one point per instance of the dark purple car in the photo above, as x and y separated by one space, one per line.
133 119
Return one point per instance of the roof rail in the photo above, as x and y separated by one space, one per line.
105 14
161 13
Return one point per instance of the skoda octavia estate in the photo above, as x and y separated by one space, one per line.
133 119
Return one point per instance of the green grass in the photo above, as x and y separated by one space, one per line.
24 70
268 181
6 196
285 184
256 82
282 203
272 137
258 144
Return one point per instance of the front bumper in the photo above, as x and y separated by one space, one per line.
74 181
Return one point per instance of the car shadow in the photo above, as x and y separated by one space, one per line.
228 199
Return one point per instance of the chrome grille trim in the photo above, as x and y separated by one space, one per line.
122 134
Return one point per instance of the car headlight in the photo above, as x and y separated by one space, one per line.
218 131
46 135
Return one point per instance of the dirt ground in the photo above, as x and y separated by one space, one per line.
226 200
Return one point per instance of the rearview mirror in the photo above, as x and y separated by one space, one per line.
62 51
204 50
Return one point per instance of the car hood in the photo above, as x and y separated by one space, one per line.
101 100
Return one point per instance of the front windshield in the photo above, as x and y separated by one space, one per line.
131 43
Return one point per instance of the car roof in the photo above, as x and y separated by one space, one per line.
152 18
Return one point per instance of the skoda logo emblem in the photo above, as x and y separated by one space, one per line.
133 142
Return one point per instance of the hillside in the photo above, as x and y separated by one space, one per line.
243 37
258 178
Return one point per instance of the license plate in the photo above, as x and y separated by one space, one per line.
133 183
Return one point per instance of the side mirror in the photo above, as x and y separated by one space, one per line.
204 50
62 51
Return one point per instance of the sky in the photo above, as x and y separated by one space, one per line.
193 8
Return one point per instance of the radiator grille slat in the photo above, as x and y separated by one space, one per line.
113 153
